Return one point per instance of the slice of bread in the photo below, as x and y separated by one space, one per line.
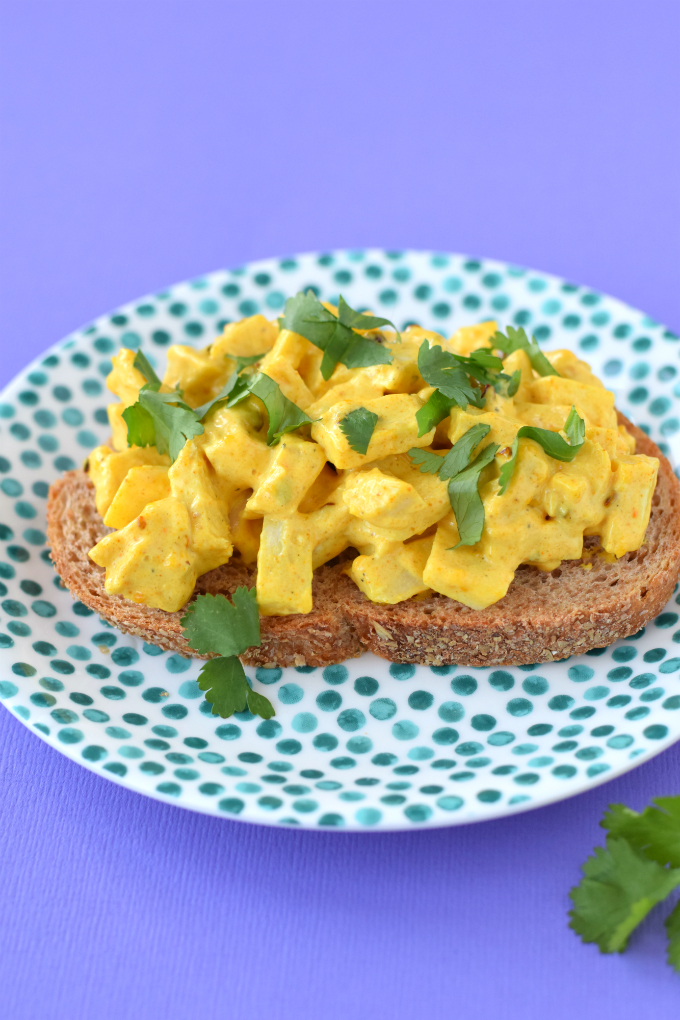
543 617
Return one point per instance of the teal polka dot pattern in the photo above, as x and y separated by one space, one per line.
364 745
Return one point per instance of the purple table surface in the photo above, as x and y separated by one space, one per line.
146 142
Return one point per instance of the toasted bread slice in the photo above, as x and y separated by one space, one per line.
543 617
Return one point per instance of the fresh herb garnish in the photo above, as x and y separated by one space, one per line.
464 497
447 373
507 387
436 408
335 334
451 374
284 415
465 500
143 365
456 459
552 443
358 427
517 340
637 869
214 624
162 420
247 360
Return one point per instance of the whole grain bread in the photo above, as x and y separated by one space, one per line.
543 616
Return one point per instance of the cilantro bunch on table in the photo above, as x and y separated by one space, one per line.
214 624
638 867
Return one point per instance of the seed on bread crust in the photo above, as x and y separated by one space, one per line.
542 618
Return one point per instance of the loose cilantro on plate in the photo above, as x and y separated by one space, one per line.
335 334
551 443
638 868
517 340
358 426
214 624
463 477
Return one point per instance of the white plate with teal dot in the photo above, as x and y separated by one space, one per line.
365 744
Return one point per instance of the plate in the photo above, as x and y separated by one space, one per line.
365 744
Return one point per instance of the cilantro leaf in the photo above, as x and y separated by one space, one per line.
225 684
517 340
507 386
429 462
575 427
358 427
458 457
672 924
551 443
162 420
619 888
508 468
284 415
465 500
358 320
656 831
233 392
445 372
481 365
227 689
143 365
174 421
140 426
213 624
246 361
334 335
436 408
456 460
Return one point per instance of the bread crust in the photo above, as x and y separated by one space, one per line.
543 617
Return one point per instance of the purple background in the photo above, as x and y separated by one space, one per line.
146 142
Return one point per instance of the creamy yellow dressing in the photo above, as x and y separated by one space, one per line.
298 504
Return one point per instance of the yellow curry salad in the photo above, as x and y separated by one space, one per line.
441 464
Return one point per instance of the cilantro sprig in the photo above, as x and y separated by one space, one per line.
214 624
336 335
517 340
163 420
463 477
552 443
143 365
159 419
638 868
358 427
452 375
283 415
